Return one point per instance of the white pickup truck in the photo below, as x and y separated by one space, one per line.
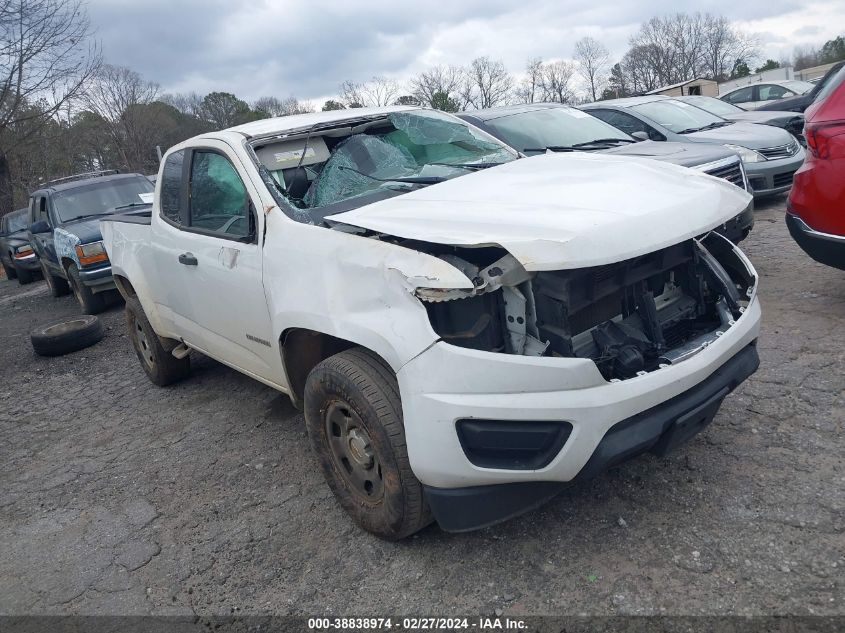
467 330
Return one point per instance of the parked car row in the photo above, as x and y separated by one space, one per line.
58 236
770 155
472 311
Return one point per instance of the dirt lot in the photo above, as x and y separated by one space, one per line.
119 497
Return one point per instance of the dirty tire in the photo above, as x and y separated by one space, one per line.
89 302
67 336
161 367
358 387
11 273
25 276
58 286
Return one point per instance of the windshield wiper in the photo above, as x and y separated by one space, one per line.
603 141
82 217
468 165
550 148
714 125
414 180
690 130
132 204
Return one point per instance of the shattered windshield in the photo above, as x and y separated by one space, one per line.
409 150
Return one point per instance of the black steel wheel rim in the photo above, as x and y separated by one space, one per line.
353 453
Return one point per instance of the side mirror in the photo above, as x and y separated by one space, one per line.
40 226
640 136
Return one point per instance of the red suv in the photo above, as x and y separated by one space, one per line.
815 214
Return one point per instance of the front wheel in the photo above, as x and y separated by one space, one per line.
354 418
89 302
161 367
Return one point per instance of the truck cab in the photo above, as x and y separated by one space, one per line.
65 234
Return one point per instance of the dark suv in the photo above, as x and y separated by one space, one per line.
16 255
64 230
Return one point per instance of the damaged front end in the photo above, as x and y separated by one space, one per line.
630 317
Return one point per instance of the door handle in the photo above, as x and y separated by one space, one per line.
188 259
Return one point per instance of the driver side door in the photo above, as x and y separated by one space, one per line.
216 261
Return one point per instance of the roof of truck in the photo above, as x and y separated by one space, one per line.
298 121
72 184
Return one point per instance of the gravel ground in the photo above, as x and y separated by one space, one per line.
118 497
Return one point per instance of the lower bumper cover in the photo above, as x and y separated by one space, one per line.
98 280
825 248
659 430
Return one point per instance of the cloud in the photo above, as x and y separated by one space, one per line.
265 47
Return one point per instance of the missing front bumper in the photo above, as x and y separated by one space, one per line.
659 429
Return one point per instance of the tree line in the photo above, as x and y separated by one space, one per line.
64 110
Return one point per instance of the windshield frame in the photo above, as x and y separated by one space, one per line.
679 108
561 115
63 215
315 214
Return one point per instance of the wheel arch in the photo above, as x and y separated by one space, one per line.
303 349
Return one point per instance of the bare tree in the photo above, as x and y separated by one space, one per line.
437 84
351 94
45 57
117 95
378 91
680 47
529 89
555 81
487 83
271 106
724 47
190 103
591 58
642 68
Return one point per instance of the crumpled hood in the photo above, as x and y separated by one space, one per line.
559 211
685 154
749 135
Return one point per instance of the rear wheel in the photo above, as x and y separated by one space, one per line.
89 302
58 286
354 418
25 276
10 271
161 367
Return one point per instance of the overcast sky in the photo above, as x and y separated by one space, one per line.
307 48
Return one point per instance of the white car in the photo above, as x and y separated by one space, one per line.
756 95
466 329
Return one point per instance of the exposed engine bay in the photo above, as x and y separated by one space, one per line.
630 317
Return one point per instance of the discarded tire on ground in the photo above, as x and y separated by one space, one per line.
67 336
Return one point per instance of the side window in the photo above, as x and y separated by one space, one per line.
219 201
770 92
627 123
742 95
171 187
